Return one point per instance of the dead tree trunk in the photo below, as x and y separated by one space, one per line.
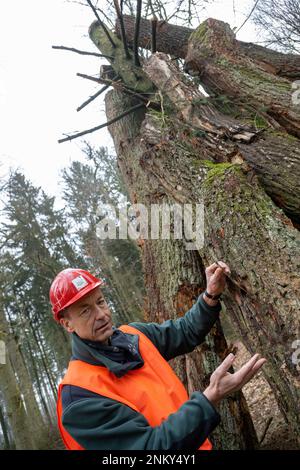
173 39
224 68
192 152
230 67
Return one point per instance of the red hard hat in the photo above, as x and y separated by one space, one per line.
69 286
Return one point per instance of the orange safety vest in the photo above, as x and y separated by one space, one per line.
154 390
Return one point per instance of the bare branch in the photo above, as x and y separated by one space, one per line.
153 34
109 21
118 85
280 22
250 14
151 7
108 123
89 77
123 34
101 24
136 33
91 98
72 49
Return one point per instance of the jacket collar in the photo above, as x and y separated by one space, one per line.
119 357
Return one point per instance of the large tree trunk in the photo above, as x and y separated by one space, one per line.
129 307
191 152
36 423
227 129
173 39
174 277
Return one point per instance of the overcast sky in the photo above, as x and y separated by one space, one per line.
39 90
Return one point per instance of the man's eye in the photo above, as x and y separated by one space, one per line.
101 301
84 311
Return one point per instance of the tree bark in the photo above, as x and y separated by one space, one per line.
245 229
174 278
173 39
275 157
16 412
4 428
191 152
24 383
227 129
224 69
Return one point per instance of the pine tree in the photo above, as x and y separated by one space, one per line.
91 191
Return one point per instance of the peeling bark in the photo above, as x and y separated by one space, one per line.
224 69
242 71
275 157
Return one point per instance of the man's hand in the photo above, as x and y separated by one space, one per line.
216 277
222 383
215 280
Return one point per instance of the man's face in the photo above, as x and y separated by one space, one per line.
89 317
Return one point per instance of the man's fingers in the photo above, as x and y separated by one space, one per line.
219 273
218 264
247 368
257 366
224 266
211 269
225 365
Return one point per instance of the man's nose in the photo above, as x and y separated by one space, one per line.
99 312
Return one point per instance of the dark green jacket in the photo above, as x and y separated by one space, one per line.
97 422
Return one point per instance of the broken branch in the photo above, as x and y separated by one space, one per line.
153 34
101 24
123 34
136 33
72 49
118 85
108 123
91 98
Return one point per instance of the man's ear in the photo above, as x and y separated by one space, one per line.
66 323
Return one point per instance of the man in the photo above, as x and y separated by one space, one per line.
119 391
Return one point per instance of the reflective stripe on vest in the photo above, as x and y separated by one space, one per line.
154 390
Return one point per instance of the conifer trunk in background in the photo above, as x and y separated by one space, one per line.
4 426
16 413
